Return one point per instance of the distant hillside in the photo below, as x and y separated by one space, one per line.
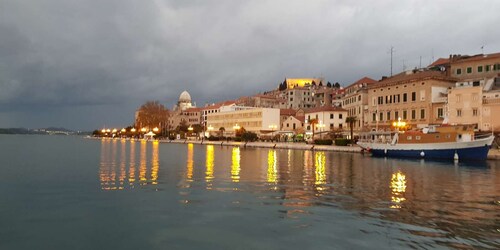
20 131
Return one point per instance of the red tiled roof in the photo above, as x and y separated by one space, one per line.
300 118
288 111
219 104
365 79
404 77
324 109
440 61
477 58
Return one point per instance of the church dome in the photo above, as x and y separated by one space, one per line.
185 97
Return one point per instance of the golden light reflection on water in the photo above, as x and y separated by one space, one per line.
189 165
235 166
320 168
209 173
114 160
272 168
142 164
398 187
155 163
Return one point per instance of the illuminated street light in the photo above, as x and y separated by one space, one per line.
103 131
273 127
108 130
123 130
143 130
133 130
320 126
155 129
114 130
399 124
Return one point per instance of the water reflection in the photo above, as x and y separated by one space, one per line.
398 187
272 169
189 165
235 166
438 196
209 172
116 155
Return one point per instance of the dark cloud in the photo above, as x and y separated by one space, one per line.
85 64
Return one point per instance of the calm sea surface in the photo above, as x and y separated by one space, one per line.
65 192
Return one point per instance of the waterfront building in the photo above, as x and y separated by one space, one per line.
417 96
475 102
257 120
327 118
293 123
214 108
475 67
355 101
184 111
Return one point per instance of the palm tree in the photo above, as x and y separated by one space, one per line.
313 123
351 120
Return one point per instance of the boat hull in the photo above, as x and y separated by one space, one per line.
470 151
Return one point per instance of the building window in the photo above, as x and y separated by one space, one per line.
381 117
422 114
469 70
422 95
459 71
474 112
340 125
340 116
396 114
405 97
487 67
331 125
331 116
440 113
417 137
479 69
413 96
388 115
413 114
374 117
458 98
459 112
405 115
408 138
288 125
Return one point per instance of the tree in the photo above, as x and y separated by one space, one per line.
239 132
152 114
313 83
351 120
337 85
313 123
249 136
320 84
329 84
221 130
182 127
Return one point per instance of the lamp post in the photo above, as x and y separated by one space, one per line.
210 129
190 129
399 124
236 128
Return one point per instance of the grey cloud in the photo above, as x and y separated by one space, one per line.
103 59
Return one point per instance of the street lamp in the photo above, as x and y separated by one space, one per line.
155 129
210 129
236 128
123 130
399 124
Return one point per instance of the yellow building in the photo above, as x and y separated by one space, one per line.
355 101
418 97
303 82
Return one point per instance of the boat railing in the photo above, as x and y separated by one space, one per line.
481 136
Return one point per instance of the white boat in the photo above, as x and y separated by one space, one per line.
443 142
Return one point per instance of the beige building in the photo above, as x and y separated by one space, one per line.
475 67
299 97
255 120
293 124
475 102
355 101
418 97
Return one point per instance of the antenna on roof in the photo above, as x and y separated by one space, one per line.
391 51
420 65
404 65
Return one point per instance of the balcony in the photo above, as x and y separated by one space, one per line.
491 101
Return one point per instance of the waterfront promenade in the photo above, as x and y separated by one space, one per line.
276 145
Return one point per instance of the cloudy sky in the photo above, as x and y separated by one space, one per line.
88 64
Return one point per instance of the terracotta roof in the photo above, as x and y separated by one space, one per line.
324 109
476 58
439 61
365 79
404 77
300 118
288 111
219 104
